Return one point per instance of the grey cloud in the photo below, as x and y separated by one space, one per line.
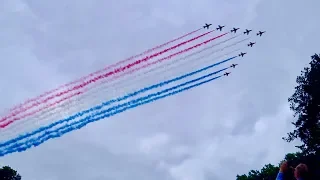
225 125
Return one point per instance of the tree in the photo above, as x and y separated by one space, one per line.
305 102
267 172
270 172
7 173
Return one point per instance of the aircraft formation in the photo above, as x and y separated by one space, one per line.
233 66
234 30
247 31
37 108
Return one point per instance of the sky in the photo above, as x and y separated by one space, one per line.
215 131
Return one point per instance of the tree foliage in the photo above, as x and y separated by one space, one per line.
7 173
269 171
305 103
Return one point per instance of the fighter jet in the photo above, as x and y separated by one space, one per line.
219 27
226 74
315 56
242 54
234 30
251 44
247 31
233 65
260 33
207 26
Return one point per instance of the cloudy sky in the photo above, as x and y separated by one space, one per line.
227 127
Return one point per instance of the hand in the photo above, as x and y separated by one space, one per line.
284 166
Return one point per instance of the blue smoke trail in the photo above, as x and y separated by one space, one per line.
133 104
109 102
86 120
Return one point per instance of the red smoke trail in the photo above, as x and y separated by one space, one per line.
134 70
165 58
38 110
120 69
162 45
99 71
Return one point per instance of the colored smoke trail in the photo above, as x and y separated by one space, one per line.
165 66
183 58
110 102
93 94
198 58
112 85
162 45
128 105
39 110
166 69
121 69
104 69
94 97
78 93
163 59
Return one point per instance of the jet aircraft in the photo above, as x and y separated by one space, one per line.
247 31
219 27
207 26
233 65
242 54
226 74
260 33
251 44
234 30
